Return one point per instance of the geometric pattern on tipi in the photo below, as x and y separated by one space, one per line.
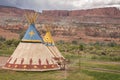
51 46
48 38
32 35
31 57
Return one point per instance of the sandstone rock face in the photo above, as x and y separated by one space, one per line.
91 25
90 12
110 12
13 11
55 12
8 34
96 12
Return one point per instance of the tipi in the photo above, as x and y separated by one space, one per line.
31 54
51 45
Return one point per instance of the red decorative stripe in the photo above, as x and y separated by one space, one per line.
22 60
31 61
15 60
26 66
39 62
47 62
9 60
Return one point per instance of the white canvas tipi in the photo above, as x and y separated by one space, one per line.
51 45
31 54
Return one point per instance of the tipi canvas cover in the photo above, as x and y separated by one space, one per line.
31 54
51 46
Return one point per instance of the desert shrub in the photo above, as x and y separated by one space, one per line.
15 42
2 39
81 47
8 42
60 42
74 42
112 44
12 42
3 46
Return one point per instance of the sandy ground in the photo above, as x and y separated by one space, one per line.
3 60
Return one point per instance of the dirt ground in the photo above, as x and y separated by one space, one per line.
3 60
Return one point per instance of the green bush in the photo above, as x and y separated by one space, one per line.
74 42
12 42
112 44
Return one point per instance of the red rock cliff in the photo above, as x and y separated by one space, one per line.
111 11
